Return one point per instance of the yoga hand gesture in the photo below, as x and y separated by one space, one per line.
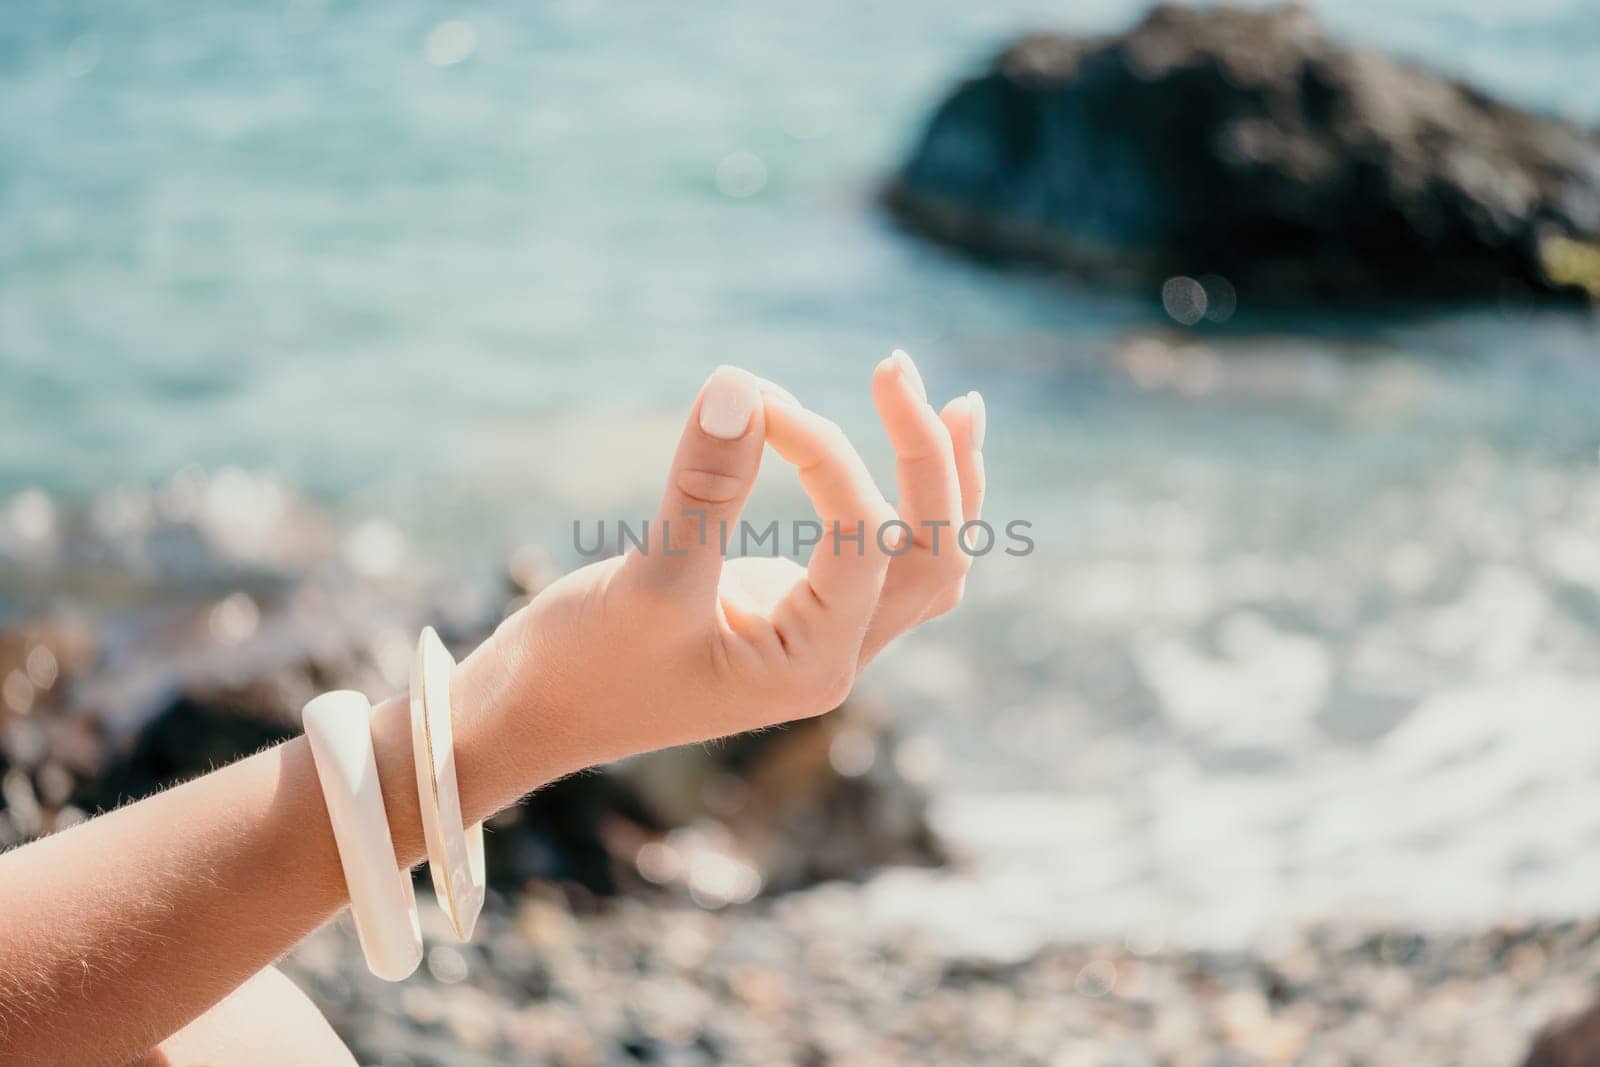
658 647
672 643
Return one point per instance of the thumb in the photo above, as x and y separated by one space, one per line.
712 475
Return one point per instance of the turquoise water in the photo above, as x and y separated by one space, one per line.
463 267
278 235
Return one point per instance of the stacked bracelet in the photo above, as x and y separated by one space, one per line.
455 851
339 728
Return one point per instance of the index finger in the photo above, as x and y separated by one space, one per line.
847 566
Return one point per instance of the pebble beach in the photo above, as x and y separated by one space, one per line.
799 981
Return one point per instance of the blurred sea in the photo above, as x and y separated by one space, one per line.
1313 626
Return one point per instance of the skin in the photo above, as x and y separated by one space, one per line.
266 1021
104 924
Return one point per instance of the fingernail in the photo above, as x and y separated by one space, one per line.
729 399
980 419
908 371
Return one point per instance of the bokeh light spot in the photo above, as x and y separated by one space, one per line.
741 174
1184 298
30 519
234 618
42 668
16 692
447 964
852 752
1221 299
83 54
451 43
1097 979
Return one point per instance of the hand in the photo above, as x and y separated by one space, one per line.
647 650
675 645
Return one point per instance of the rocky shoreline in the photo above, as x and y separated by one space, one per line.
801 980
694 906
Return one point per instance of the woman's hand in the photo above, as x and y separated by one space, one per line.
104 921
675 644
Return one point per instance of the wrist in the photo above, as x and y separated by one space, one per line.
512 735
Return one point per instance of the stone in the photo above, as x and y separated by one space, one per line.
1226 156
1570 1042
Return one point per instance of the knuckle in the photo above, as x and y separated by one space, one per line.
832 437
707 486
931 451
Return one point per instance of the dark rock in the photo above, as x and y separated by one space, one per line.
192 737
567 832
1571 1042
771 801
1250 146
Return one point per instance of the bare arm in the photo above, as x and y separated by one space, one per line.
124 928
120 931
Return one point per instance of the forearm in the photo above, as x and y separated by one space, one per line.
123 929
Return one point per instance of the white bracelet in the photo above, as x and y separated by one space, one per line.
339 727
455 851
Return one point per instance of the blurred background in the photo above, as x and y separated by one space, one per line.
322 319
